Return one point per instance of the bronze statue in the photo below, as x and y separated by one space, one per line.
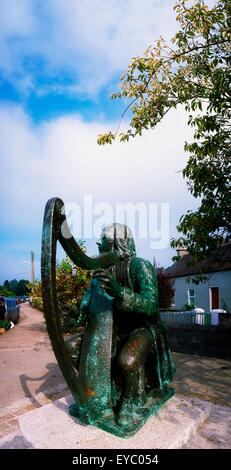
119 369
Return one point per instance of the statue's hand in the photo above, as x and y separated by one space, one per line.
109 283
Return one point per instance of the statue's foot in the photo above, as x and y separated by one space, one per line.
74 410
103 416
130 414
106 415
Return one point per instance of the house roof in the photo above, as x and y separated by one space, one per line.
185 266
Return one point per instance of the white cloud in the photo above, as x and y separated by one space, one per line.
90 40
17 25
61 158
16 18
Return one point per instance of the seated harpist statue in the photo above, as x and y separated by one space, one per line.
123 360
125 363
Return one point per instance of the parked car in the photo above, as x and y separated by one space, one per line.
2 308
10 310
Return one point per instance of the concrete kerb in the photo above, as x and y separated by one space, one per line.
38 400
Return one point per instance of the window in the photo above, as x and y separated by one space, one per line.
214 298
191 297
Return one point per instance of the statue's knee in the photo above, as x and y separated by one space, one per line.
127 361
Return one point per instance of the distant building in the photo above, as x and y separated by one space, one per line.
215 292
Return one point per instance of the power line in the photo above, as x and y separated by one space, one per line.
13 251
17 274
19 260
8 254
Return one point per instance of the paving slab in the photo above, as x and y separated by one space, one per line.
51 427
206 378
14 440
216 431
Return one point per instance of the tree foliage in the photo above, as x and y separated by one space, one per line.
37 296
23 287
15 287
71 283
193 71
6 284
5 292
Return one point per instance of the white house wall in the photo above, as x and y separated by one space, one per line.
221 279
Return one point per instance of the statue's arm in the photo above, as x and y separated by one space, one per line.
144 299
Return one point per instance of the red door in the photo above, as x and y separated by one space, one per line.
215 297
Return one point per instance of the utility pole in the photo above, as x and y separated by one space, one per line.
32 270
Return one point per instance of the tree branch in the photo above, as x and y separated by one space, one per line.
124 112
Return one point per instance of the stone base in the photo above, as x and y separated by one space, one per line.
134 421
51 427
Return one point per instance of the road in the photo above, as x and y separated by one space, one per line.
28 364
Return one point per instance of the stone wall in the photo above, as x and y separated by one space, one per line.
212 341
225 319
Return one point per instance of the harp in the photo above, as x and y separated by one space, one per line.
91 385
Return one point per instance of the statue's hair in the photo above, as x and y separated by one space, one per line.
122 238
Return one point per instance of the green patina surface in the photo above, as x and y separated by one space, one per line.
120 367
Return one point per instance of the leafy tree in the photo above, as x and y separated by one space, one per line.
193 71
5 292
6 285
166 288
23 287
14 286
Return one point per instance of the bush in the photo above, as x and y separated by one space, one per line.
70 318
37 303
5 324
188 306
71 283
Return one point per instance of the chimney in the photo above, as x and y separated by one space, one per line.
181 251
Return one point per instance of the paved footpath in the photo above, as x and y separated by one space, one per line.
207 378
30 378
30 375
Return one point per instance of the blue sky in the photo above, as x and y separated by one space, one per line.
59 62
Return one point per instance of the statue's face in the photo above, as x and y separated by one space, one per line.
105 244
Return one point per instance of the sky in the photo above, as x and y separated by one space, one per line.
59 63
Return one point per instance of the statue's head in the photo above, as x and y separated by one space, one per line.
117 237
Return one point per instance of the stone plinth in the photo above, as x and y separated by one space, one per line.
51 427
